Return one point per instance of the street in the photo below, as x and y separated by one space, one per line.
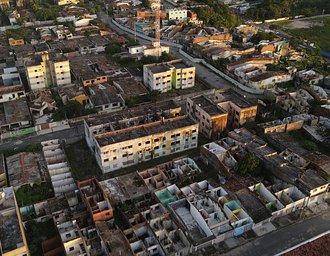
24 142
282 239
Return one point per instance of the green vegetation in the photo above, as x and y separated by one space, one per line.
217 15
70 110
113 48
82 162
309 144
152 96
318 34
249 165
15 33
273 9
36 232
27 195
262 36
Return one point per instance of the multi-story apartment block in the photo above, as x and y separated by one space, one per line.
130 146
240 110
11 87
212 119
169 75
36 72
48 70
177 14
60 70
12 236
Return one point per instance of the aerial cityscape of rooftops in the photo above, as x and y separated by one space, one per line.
164 127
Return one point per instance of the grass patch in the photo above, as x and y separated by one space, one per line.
82 161
27 195
307 143
318 34
36 232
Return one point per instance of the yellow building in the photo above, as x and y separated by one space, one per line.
66 2
212 118
16 42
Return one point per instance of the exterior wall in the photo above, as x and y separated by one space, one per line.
177 14
160 81
131 152
96 80
208 125
65 2
135 49
15 42
12 96
184 78
237 115
224 37
60 72
269 82
36 77
144 14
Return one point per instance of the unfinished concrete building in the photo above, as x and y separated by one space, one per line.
95 199
113 239
71 235
218 157
297 102
290 196
195 226
268 199
12 236
168 173
169 235
288 124
58 167
126 188
239 219
143 241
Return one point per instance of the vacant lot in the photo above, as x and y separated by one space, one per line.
314 30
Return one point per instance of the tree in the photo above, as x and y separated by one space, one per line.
113 48
249 165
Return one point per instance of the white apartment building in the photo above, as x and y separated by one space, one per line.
155 49
11 87
169 75
60 71
36 72
66 2
46 71
177 14
130 146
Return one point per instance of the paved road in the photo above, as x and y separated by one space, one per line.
23 142
204 73
282 239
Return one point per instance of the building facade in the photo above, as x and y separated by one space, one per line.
169 75
211 118
130 146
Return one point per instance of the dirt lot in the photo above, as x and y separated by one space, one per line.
318 247
303 24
